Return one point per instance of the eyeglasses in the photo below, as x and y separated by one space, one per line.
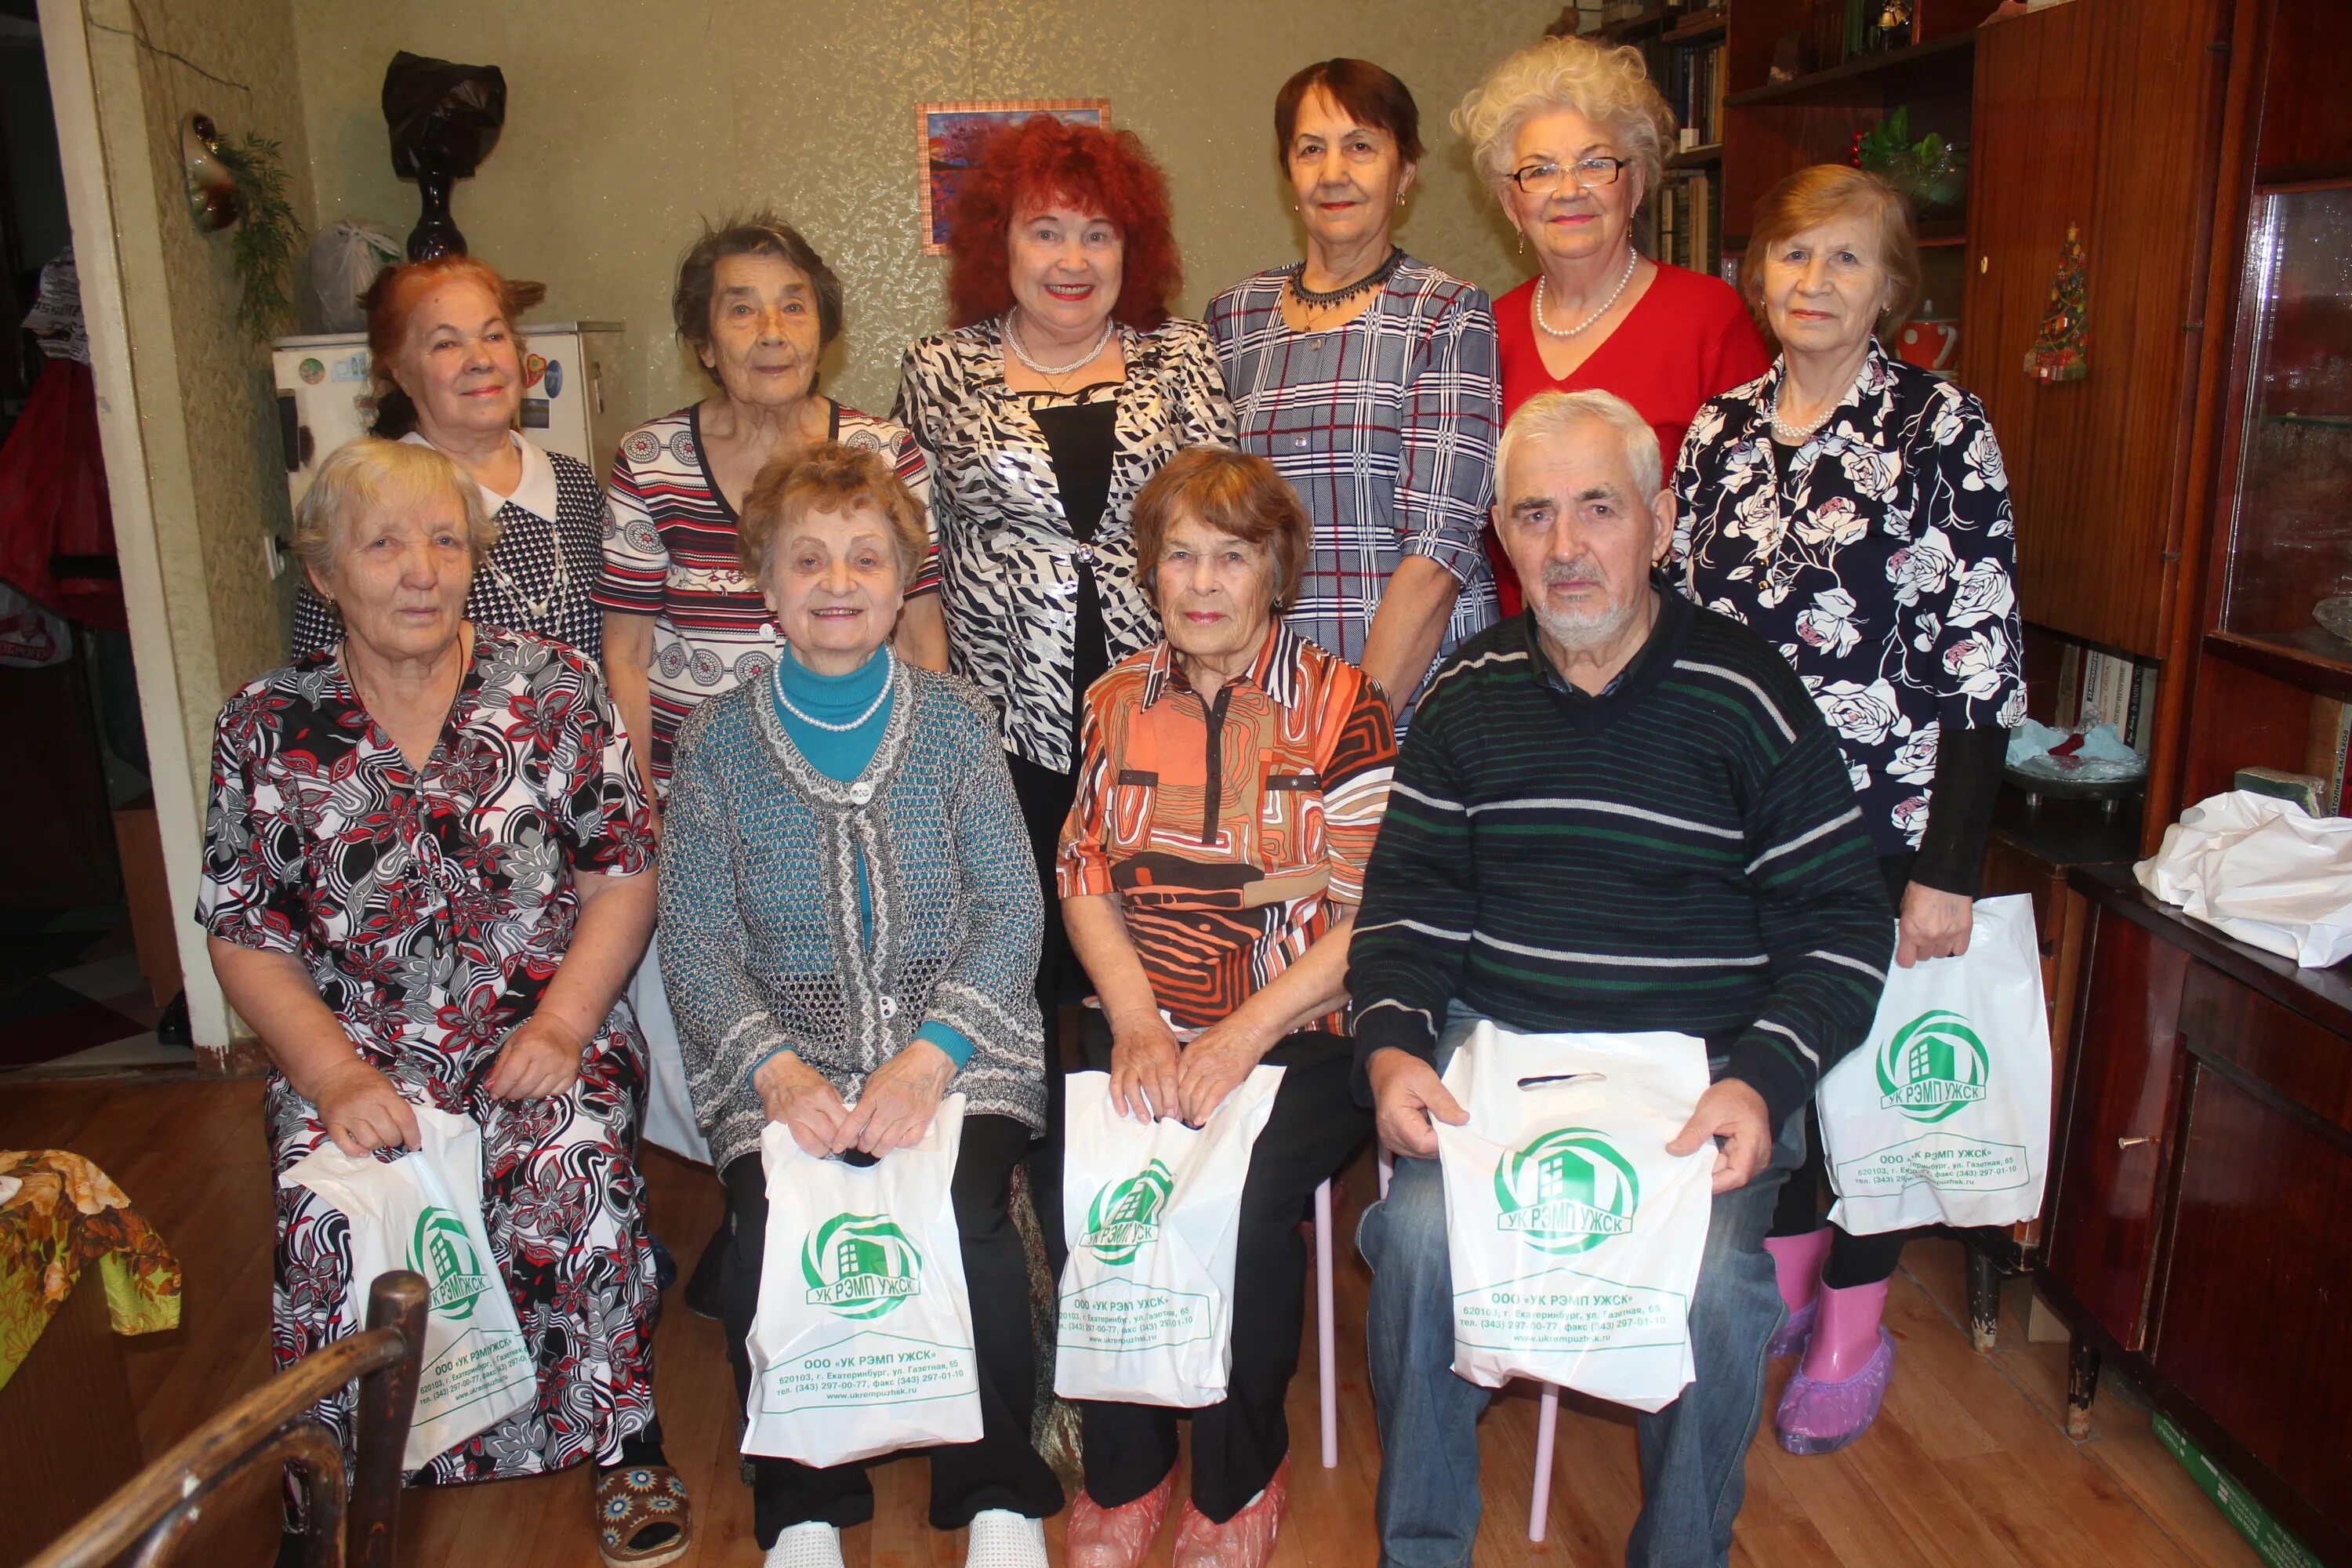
1589 174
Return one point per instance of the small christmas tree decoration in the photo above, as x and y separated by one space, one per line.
2059 347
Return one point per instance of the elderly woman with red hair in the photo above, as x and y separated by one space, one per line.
1063 386
446 359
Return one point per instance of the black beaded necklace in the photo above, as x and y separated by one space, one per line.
1323 300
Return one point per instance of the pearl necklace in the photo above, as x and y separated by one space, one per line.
1633 260
890 670
1798 435
1054 372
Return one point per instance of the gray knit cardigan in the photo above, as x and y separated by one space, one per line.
761 937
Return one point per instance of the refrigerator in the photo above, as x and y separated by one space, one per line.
573 398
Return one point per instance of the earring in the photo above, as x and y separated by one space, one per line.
1400 198
1523 242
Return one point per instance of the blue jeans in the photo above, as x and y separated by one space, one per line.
1694 1452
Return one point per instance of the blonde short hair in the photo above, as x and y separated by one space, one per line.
370 474
1609 87
829 476
1548 415
1812 196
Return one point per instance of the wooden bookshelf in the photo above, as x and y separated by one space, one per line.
1869 80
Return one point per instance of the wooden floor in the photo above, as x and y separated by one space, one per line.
1967 1466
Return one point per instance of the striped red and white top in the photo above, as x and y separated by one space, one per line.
670 553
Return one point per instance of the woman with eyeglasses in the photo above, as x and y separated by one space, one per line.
1572 137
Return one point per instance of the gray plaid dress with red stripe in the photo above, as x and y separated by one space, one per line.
1385 426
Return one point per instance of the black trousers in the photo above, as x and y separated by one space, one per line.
1854 1259
1238 1444
1001 1471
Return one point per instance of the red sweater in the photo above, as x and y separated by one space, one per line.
1687 339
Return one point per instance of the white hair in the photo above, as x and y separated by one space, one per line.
1548 415
1609 87
370 473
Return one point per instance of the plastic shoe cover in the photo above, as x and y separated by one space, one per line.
1245 1541
999 1537
1100 1537
814 1545
1795 1330
1822 1417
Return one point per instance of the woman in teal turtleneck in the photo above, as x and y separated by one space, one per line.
851 919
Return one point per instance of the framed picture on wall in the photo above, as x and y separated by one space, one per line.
946 135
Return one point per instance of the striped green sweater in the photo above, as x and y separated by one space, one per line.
1681 852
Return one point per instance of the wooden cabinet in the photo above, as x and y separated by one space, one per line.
2096 116
2112 1138
2199 1190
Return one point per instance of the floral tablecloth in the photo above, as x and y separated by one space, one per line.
58 1215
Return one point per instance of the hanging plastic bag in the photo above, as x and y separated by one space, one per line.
423 1212
1942 1116
862 1343
1152 1216
345 257
1575 1237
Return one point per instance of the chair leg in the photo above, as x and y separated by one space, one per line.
1327 1349
1539 1501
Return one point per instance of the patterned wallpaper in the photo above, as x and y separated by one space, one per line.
629 120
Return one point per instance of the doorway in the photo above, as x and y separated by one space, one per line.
89 971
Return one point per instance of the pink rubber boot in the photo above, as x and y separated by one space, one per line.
1835 1394
1797 1260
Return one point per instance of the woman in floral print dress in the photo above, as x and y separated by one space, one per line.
425 881
1854 510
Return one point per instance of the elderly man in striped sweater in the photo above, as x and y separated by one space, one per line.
1621 812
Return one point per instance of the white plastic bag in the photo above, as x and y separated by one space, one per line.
1152 1216
2261 870
862 1343
1942 1116
423 1212
1575 1237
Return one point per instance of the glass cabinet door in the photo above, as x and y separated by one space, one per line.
2290 569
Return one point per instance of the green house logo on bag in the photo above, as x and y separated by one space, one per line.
1569 1190
1932 1066
441 1252
860 1266
1125 1216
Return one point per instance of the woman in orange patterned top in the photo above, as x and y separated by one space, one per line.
1233 781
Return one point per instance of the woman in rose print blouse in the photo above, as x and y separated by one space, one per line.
1854 510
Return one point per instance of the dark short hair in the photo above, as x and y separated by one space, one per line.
829 476
1373 95
762 234
1239 493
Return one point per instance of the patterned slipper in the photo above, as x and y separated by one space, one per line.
633 1501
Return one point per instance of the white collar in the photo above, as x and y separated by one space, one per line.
536 491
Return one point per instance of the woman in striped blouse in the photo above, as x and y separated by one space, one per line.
682 621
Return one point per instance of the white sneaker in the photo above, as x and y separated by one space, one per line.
1002 1539
816 1545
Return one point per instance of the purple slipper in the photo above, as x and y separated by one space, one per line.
1822 1417
1795 1329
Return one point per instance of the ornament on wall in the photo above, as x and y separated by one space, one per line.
2060 346
243 184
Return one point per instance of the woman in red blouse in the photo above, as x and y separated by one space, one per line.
1573 137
